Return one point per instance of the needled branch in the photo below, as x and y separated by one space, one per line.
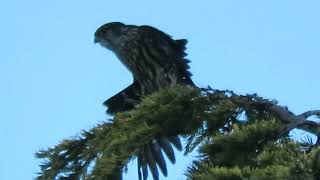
287 117
199 114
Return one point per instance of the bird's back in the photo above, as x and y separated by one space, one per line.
154 58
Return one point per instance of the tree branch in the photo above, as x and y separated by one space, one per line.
286 116
176 111
307 114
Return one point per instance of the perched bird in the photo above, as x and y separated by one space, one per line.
156 61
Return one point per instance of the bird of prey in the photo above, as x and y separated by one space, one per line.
156 61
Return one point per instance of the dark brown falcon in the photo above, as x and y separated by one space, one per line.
156 61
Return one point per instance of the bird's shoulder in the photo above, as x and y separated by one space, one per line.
150 32
143 34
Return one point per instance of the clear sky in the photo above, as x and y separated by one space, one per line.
53 78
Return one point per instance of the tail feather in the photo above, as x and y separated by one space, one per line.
142 167
151 163
176 142
167 148
157 154
139 167
145 171
151 156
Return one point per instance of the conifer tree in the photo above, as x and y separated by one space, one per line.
238 137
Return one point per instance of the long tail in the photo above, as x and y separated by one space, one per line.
151 156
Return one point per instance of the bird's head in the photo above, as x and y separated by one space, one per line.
108 35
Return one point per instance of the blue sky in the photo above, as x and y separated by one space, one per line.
53 78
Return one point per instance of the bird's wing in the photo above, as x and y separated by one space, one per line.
164 48
124 100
